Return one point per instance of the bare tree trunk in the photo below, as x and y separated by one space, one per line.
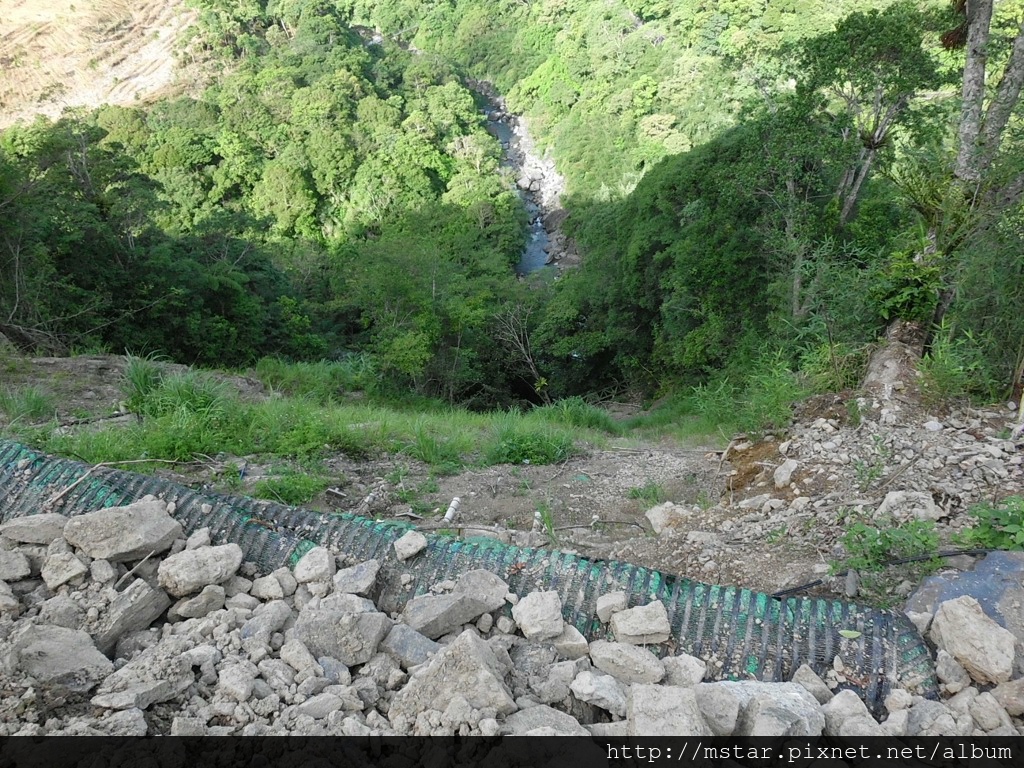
979 19
1007 95
851 196
513 331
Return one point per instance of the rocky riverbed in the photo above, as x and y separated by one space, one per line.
538 181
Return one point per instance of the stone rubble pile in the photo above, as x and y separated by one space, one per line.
114 623
864 460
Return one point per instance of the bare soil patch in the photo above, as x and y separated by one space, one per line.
59 54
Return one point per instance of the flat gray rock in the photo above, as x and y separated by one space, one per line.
468 667
59 657
266 620
189 571
539 615
14 566
209 600
485 587
122 534
410 544
408 646
997 583
34 529
627 663
437 615
842 707
571 644
345 603
8 602
315 565
664 710
721 707
765 708
357 580
610 604
351 638
62 567
601 690
684 670
643 625
62 611
157 674
985 649
542 716
137 607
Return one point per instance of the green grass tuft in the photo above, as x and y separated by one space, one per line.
27 404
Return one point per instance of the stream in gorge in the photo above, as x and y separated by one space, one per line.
538 182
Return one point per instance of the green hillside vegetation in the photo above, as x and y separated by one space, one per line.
757 192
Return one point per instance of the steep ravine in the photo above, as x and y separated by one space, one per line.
537 179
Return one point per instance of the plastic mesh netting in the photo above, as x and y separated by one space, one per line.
744 635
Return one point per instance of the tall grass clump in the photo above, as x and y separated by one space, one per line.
577 412
516 440
322 382
442 453
293 488
27 404
142 376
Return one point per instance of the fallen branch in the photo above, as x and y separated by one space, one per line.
899 472
54 499
133 570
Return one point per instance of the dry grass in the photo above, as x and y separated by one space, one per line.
57 54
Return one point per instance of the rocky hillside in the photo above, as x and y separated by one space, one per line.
116 625
112 623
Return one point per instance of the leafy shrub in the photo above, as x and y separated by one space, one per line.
956 369
871 549
906 288
771 389
833 367
1000 526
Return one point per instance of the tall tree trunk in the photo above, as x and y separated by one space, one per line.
979 19
1007 95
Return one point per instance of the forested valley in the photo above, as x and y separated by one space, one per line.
757 192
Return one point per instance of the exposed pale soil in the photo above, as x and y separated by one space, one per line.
57 54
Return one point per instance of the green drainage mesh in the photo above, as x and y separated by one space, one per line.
744 635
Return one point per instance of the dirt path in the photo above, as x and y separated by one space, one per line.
593 504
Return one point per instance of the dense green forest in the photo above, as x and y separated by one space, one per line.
757 190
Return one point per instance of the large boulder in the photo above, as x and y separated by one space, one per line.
467 667
985 649
122 534
191 570
57 657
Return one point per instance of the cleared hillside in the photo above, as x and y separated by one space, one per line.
67 53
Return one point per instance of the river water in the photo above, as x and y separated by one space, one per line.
537 181
536 253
